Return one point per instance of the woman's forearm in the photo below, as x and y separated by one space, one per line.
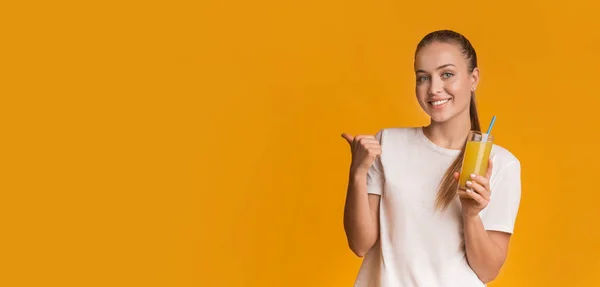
360 221
484 255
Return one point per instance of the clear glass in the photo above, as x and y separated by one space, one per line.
477 155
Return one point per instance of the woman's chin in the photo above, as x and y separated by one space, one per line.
440 117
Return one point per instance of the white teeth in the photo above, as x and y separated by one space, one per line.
437 103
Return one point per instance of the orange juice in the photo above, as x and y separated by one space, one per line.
477 154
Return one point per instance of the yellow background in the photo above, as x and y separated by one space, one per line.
198 143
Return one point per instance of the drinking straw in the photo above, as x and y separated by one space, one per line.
485 136
491 125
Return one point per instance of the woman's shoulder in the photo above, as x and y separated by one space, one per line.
395 131
397 136
503 157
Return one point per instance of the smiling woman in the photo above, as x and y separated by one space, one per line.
446 74
402 211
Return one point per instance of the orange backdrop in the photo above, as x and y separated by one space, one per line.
198 143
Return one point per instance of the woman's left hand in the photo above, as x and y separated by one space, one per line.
477 196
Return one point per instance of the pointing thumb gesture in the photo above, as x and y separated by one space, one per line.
348 138
364 148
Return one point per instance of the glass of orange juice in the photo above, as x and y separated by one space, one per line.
477 155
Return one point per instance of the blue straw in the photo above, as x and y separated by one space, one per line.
491 125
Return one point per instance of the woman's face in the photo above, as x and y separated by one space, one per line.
444 83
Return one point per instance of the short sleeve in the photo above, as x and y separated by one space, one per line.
375 176
501 212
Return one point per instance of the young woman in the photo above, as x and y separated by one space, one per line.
403 211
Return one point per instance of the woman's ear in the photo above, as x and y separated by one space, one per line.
474 79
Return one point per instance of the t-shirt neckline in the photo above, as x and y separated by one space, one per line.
443 150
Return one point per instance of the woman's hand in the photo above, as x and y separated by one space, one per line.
477 196
365 148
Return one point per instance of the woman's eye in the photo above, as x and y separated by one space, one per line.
447 75
423 78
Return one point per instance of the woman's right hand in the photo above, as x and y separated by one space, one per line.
365 148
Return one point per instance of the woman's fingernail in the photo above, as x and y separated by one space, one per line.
469 183
473 176
469 190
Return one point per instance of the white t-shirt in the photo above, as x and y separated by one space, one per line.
418 245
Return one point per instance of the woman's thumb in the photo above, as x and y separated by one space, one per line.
348 138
